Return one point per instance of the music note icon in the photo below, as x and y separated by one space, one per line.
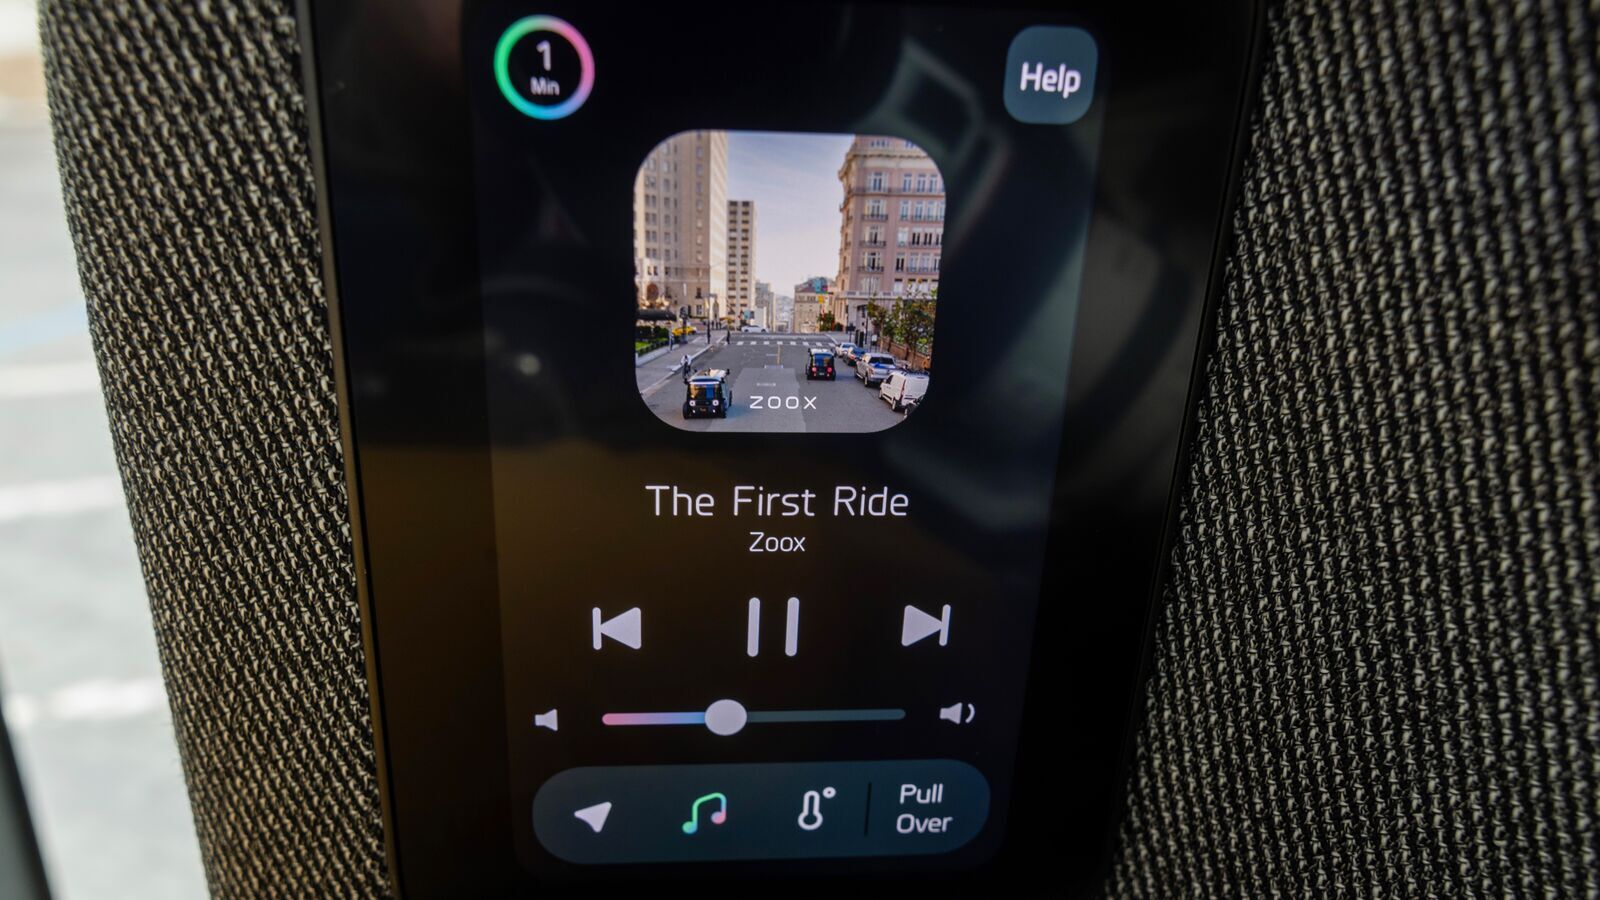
717 818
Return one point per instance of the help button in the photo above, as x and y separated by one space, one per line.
1050 75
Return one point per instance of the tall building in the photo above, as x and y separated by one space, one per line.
810 298
741 260
763 302
807 312
680 224
891 229
783 313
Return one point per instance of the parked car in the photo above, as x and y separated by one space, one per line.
902 390
755 329
683 330
847 352
873 368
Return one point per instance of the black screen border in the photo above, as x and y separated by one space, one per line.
418 471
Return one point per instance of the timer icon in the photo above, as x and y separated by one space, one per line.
544 67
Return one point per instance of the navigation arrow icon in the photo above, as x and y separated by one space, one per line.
917 625
625 628
595 816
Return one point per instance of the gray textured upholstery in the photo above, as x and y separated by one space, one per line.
1378 671
182 138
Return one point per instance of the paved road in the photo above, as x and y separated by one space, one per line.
82 686
771 393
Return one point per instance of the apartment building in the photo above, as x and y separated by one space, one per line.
680 225
891 226
741 261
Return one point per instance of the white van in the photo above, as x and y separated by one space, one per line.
903 388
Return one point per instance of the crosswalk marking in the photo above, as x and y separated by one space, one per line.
96 700
59 498
46 379
785 342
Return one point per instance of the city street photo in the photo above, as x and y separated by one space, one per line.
786 282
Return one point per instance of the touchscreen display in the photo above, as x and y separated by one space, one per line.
777 355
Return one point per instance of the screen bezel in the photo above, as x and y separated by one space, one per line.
418 470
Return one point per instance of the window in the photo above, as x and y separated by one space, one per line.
901 237
917 212
905 182
922 184
905 209
900 262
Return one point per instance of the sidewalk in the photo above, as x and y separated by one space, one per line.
670 364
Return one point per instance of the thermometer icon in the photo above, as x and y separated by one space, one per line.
811 808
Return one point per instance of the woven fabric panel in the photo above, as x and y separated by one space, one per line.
1378 670
182 138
